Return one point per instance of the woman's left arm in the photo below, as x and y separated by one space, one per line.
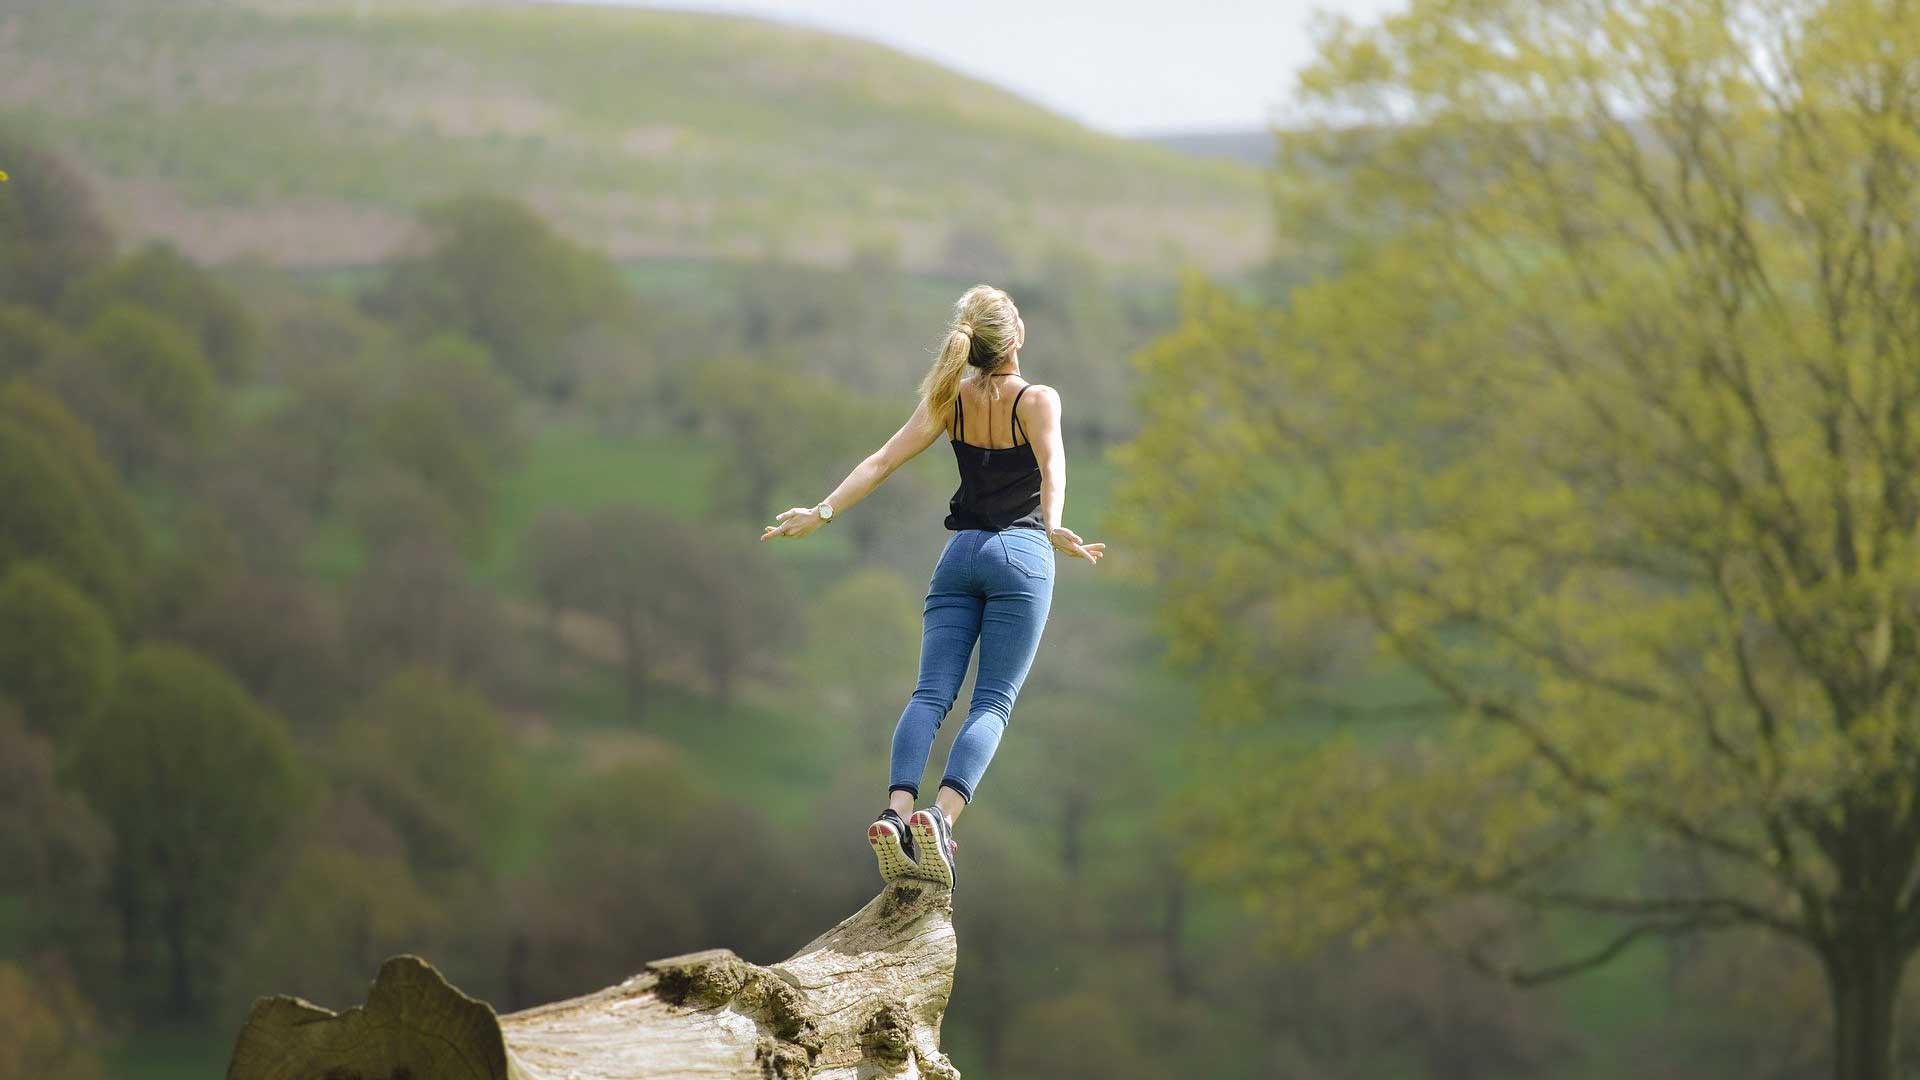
1041 417
915 435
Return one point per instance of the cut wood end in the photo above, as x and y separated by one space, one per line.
864 999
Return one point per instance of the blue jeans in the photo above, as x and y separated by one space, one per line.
996 588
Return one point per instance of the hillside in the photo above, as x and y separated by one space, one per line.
308 132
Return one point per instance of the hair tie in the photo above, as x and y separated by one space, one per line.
965 328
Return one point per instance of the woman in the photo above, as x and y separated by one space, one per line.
994 580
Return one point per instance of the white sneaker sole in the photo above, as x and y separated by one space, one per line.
935 867
893 860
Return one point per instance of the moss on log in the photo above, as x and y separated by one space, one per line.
863 1000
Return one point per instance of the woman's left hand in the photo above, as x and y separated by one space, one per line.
1065 539
795 523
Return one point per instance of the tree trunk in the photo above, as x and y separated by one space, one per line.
180 994
1863 981
863 1000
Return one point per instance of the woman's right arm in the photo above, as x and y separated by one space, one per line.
918 433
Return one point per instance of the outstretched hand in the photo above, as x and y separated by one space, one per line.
1065 539
795 523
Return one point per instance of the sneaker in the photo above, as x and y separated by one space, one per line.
934 834
893 846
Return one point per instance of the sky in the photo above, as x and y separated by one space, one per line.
1128 67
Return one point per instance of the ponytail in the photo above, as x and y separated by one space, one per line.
986 328
941 388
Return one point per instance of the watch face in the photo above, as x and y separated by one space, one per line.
826 512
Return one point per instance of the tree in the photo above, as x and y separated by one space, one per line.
50 233
159 279
40 415
415 603
421 434
57 648
781 429
555 546
306 446
619 832
736 612
435 760
143 383
55 852
59 511
47 1026
364 908
30 342
496 272
1602 426
197 781
636 573
862 649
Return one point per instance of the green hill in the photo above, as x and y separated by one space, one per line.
308 132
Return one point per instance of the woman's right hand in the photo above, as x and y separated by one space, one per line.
1065 539
796 523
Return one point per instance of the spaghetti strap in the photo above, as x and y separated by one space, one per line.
1016 415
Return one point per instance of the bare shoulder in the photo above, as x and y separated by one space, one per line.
1039 400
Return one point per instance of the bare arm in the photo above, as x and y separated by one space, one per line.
1040 419
915 435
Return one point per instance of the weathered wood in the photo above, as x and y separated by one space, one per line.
863 1000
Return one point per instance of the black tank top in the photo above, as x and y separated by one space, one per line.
999 488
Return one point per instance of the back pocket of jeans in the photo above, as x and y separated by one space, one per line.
1029 556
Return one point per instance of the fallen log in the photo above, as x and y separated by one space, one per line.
863 1000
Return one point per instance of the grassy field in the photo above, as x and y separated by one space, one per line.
310 133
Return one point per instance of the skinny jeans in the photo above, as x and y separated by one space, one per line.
990 587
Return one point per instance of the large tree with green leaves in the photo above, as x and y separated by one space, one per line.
496 272
57 648
50 232
198 781
1597 440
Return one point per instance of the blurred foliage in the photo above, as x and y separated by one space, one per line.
55 853
61 507
364 907
159 278
30 342
499 274
57 648
144 384
435 760
50 232
47 1026
197 780
553 713
1601 426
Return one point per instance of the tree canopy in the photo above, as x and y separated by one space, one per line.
1594 444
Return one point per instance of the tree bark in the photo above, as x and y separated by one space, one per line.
863 1000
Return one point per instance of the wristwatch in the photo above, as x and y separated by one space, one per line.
825 510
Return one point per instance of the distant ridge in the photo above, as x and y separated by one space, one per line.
307 132
1253 146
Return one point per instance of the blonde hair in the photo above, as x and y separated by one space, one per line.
986 328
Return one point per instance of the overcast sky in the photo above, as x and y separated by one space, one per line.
1130 67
